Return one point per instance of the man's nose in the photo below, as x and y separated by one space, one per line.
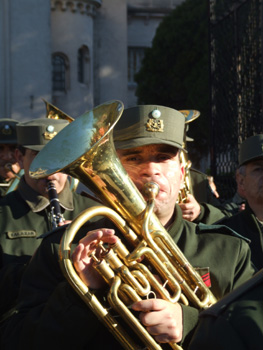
8 155
149 169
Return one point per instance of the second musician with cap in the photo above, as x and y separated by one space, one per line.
249 222
50 314
25 214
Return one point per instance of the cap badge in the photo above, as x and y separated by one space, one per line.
6 130
155 124
50 133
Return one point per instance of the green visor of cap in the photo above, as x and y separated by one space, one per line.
149 124
251 149
37 133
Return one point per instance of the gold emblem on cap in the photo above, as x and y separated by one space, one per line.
50 133
155 124
6 130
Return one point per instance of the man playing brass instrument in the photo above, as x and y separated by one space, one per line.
25 213
50 314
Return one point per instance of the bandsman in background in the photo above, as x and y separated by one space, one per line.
28 212
148 140
196 199
249 222
9 167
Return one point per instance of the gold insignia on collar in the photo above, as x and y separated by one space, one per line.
154 125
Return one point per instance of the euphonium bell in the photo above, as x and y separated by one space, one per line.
88 153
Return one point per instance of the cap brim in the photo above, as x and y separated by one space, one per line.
252 159
142 141
34 147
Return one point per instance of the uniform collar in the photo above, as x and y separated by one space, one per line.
36 202
176 228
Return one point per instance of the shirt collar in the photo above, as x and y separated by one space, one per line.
36 202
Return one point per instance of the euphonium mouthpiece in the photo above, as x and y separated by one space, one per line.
151 190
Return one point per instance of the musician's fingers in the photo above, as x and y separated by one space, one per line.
149 305
104 234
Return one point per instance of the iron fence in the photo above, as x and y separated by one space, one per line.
236 83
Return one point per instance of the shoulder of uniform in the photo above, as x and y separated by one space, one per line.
10 198
222 304
222 229
52 232
84 197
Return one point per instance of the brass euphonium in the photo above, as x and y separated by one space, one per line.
93 160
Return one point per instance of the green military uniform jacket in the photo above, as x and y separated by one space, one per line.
246 224
24 216
232 206
51 315
235 322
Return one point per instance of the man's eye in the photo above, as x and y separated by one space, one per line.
132 159
163 157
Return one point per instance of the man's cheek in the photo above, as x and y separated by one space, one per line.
132 171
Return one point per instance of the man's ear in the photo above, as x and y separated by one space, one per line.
19 158
240 179
182 176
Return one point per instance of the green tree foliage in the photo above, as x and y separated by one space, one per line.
175 70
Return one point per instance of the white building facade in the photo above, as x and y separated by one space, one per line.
75 54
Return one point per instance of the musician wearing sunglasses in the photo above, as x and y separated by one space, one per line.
51 314
28 212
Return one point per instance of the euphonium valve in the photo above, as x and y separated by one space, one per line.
93 160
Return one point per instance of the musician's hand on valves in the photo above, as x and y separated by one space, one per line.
190 208
83 261
162 319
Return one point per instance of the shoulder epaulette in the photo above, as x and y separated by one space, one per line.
222 304
223 229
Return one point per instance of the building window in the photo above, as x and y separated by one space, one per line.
135 57
60 67
83 65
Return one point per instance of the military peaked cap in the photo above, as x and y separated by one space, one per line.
35 134
251 149
149 124
8 131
